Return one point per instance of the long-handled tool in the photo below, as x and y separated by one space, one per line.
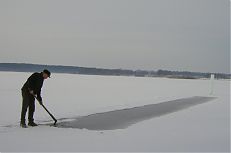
47 111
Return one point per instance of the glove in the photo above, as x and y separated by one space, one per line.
40 102
39 98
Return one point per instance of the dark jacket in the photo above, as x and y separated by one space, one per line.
35 83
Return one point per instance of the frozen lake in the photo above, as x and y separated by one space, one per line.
115 113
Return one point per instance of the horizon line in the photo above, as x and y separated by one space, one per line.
114 68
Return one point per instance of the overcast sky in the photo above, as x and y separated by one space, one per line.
190 35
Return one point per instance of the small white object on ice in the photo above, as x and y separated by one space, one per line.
212 84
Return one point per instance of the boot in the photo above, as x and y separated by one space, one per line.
23 125
32 124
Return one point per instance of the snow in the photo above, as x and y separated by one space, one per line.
201 127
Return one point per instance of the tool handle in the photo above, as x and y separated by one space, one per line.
47 111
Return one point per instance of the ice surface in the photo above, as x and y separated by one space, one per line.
120 119
80 101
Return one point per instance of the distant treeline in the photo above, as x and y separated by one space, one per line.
191 75
22 67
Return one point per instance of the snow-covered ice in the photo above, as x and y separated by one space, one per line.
117 113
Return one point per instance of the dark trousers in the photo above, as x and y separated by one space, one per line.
28 100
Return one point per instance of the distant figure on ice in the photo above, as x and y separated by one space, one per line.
30 89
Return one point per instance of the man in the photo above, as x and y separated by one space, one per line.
30 89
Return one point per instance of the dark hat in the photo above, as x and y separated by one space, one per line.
47 72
